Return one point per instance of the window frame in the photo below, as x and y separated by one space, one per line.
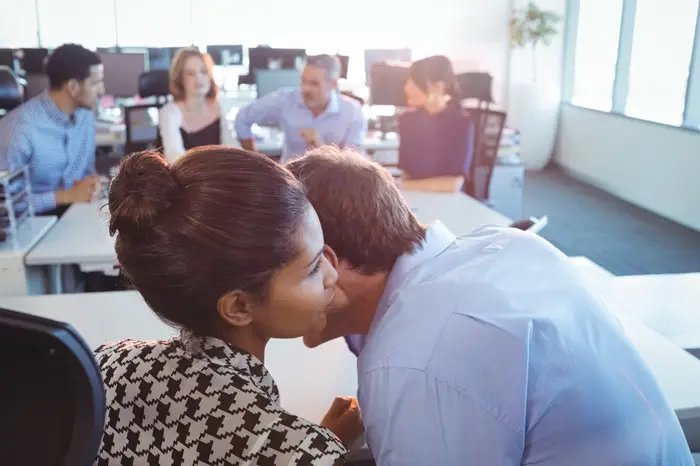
691 111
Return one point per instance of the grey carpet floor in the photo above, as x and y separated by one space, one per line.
620 237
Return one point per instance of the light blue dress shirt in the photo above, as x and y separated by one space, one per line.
487 350
59 150
342 123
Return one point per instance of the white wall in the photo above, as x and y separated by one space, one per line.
654 166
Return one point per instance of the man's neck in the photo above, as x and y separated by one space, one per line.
367 302
64 102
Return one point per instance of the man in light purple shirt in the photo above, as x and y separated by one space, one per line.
480 350
311 116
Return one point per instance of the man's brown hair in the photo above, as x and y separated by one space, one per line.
365 219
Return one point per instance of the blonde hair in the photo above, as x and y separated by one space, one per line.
178 67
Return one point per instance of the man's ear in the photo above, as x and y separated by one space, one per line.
73 87
330 255
235 308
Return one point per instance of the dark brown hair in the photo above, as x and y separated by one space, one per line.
433 69
177 68
217 220
365 219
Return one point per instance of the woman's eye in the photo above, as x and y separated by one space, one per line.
316 268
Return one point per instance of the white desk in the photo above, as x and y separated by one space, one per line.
308 379
670 304
15 278
81 235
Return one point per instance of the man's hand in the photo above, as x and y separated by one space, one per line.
344 420
81 191
311 137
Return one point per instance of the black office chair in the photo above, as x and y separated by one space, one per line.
478 86
52 399
141 125
489 127
11 90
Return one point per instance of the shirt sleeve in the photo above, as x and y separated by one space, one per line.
355 138
91 145
169 123
412 418
265 109
17 153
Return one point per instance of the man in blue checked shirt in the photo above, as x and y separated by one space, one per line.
484 350
54 133
310 116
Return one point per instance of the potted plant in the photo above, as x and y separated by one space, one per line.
534 102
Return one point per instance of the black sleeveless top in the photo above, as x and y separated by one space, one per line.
210 134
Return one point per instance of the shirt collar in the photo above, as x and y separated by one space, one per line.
52 109
333 102
437 238
222 353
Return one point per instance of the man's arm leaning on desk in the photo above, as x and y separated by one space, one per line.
413 418
267 109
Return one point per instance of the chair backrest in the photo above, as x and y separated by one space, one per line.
52 398
435 145
141 122
489 128
11 91
477 86
154 83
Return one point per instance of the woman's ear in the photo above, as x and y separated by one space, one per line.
436 88
330 255
236 308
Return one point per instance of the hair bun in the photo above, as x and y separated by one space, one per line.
141 193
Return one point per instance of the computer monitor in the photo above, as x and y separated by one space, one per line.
226 55
159 59
268 58
34 60
269 81
373 56
36 84
344 63
121 73
387 83
8 57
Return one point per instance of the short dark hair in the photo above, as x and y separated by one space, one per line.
364 217
217 220
70 61
433 69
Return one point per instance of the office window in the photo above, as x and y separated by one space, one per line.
662 45
597 42
18 26
86 22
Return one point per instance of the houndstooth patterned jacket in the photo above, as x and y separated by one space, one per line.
199 401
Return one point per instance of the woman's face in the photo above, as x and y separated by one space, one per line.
300 291
415 96
195 77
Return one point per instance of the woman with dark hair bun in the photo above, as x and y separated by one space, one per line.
225 245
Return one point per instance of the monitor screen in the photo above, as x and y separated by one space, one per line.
373 56
344 63
387 84
160 58
33 60
268 58
269 81
226 55
121 73
7 58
